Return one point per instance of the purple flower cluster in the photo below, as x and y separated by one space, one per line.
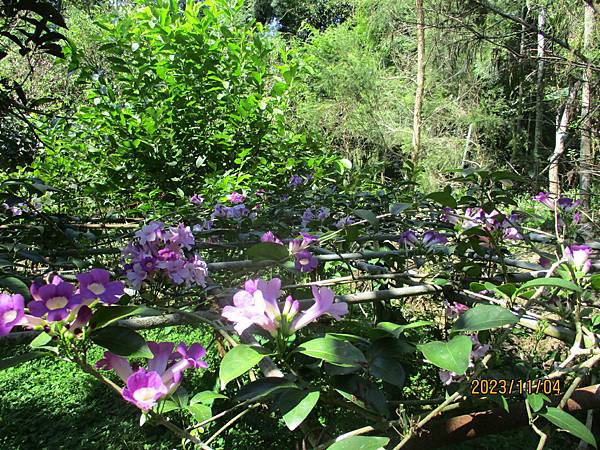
237 212
344 222
59 301
491 222
298 180
157 251
310 215
564 203
145 387
257 304
430 238
236 197
478 351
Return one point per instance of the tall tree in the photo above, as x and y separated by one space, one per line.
539 91
416 138
585 150
562 132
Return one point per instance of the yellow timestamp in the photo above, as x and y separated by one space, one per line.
500 386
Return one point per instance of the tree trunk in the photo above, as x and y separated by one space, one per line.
539 93
416 138
517 141
585 150
562 125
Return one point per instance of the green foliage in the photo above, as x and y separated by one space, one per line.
187 96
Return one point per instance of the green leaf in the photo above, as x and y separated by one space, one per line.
105 315
200 412
444 198
20 359
15 285
206 397
122 341
484 317
237 361
360 443
263 387
40 340
267 251
367 215
551 282
397 330
453 355
388 369
167 405
595 282
297 405
334 351
570 424
536 401
397 208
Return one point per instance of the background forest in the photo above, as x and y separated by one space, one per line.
344 119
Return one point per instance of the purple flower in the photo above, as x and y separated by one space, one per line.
296 181
237 212
454 309
193 354
84 314
144 389
305 261
324 304
512 233
257 305
567 204
177 270
117 363
408 238
448 215
196 199
197 270
11 312
57 300
344 222
431 238
479 350
474 216
545 199
308 239
323 213
307 216
236 197
96 284
250 309
151 232
578 256
181 236
270 237
576 217
165 371
137 275
220 211
544 262
15 210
